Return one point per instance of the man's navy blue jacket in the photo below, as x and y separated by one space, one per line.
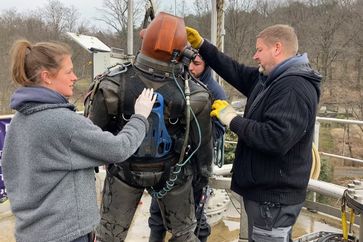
274 152
213 86
217 93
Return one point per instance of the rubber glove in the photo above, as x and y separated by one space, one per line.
194 37
144 103
223 111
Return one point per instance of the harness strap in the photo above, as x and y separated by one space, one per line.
90 95
128 167
131 83
164 177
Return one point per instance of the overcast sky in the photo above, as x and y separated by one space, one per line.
88 8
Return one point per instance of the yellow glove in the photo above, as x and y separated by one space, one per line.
223 111
194 37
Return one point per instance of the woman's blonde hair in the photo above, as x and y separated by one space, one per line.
28 60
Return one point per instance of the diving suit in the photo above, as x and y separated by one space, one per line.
178 144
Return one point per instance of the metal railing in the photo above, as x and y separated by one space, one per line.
316 138
341 121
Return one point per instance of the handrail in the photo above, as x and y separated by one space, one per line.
321 187
341 157
319 119
7 116
325 119
337 120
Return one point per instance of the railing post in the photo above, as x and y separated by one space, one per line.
243 226
130 28
316 134
316 142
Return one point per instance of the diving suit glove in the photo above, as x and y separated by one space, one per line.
194 37
223 111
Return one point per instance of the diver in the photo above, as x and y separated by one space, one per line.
178 142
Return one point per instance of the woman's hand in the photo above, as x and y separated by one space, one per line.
144 103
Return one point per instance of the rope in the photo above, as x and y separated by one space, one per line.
220 29
220 10
316 164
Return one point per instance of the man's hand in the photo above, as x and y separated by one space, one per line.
144 103
194 37
223 111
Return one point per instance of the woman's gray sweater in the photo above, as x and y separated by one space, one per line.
48 162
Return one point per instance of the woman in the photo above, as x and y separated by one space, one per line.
50 151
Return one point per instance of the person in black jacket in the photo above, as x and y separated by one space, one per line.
203 72
273 156
200 70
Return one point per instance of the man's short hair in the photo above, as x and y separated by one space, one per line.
281 33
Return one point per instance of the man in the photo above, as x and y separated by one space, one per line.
203 73
178 141
273 155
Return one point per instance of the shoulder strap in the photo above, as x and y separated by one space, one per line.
110 75
130 88
131 85
88 99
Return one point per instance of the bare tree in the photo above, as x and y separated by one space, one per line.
201 7
202 17
9 21
331 19
71 19
59 18
241 28
182 8
355 28
114 15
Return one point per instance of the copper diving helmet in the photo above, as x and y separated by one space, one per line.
164 38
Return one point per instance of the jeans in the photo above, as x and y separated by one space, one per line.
270 222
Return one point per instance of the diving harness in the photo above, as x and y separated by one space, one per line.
170 183
157 142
